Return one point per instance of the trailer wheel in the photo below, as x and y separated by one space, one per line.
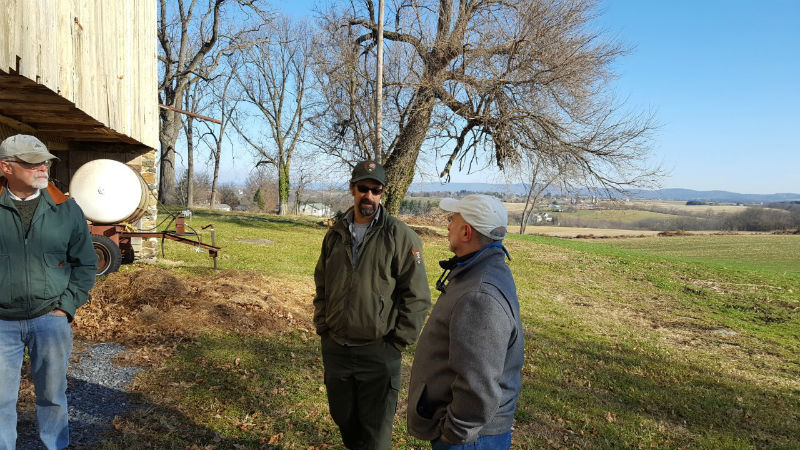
109 256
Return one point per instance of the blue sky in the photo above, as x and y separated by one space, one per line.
723 78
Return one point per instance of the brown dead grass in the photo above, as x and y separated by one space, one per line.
150 310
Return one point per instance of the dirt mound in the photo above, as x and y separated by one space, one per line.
674 233
423 231
797 231
133 290
155 307
434 218
617 236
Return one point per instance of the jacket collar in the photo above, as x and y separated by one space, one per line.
55 194
460 264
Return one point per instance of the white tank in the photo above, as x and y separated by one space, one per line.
109 192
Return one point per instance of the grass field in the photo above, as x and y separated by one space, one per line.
756 252
637 343
622 216
681 206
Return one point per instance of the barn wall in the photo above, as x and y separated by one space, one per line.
98 54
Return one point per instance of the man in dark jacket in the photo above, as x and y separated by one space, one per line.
465 379
47 266
371 300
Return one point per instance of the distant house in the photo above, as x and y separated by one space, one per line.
315 209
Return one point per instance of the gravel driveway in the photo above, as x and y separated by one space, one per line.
97 392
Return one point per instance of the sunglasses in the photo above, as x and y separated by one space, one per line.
364 189
31 166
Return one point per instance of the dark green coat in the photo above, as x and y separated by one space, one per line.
54 267
386 296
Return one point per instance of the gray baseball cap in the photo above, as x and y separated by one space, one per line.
26 148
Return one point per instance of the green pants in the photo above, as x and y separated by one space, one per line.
362 384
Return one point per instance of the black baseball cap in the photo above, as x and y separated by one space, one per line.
369 170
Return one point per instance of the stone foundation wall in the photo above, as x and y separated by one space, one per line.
146 165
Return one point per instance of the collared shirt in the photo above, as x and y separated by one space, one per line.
358 231
32 197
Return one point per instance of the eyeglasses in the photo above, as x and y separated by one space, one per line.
31 166
364 189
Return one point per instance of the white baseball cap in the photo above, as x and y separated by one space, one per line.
483 212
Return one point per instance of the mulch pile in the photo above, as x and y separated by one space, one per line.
150 310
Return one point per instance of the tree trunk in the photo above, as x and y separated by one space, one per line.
171 127
214 181
283 188
401 164
189 163
527 210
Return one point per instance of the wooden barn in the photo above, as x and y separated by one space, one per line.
81 75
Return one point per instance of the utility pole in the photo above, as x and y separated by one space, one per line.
379 90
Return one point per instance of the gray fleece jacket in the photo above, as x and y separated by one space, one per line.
465 379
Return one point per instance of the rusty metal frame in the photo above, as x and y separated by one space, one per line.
120 236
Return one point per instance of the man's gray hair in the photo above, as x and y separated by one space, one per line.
486 240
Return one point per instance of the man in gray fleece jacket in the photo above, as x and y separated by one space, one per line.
465 379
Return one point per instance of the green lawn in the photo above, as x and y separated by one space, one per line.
645 346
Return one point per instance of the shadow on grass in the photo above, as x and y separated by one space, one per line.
234 391
581 392
106 418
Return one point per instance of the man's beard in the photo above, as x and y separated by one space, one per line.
39 183
367 208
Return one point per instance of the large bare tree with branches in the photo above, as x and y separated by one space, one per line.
193 36
275 80
482 81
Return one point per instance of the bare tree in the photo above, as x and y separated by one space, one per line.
539 173
259 179
303 178
191 43
225 100
482 81
275 80
192 102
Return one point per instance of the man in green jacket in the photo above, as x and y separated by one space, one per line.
371 301
47 266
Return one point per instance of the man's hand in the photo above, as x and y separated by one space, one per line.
58 312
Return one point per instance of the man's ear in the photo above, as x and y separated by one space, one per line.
466 235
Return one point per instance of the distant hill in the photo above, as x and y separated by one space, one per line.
642 194
712 196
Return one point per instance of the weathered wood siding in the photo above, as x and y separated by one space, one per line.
98 54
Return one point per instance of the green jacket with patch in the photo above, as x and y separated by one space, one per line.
385 296
54 266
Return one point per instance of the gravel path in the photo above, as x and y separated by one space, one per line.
97 392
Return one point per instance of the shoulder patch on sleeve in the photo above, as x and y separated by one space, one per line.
417 253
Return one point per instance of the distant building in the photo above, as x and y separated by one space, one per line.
315 209
541 217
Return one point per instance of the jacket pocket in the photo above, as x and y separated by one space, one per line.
424 419
57 273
